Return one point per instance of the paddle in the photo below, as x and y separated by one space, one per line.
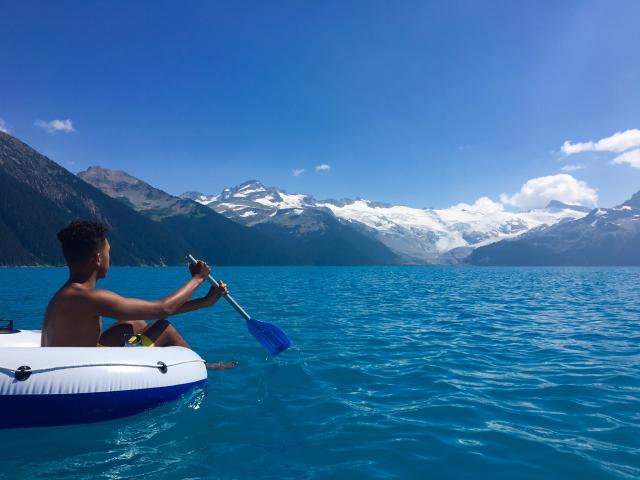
269 335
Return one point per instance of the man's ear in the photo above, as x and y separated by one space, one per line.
98 259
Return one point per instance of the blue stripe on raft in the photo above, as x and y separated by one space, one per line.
65 409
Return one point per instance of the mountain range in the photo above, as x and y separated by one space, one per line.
252 224
415 235
295 238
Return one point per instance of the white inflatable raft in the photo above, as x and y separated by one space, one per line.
58 386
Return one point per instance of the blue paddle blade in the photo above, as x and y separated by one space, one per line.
270 336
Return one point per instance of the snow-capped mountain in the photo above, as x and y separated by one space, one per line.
605 236
418 235
251 202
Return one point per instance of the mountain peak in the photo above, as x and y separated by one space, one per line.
192 195
633 202
250 186
250 183
136 193
99 174
558 205
248 189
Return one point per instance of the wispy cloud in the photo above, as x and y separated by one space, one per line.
618 142
632 158
323 167
54 126
297 172
571 168
538 192
3 126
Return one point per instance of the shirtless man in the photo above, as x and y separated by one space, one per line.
74 314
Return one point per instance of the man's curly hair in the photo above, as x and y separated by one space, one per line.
82 239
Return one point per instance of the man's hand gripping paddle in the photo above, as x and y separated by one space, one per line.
269 335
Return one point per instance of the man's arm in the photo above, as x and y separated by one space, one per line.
109 304
215 293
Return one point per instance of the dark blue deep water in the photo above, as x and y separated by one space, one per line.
394 373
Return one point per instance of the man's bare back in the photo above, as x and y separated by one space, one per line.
69 321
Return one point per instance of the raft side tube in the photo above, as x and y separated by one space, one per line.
42 386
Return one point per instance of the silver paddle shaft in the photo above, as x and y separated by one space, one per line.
229 298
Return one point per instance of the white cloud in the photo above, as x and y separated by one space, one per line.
297 172
571 168
323 166
56 125
632 157
569 148
3 126
618 142
538 192
482 205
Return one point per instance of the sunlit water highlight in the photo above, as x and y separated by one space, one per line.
393 373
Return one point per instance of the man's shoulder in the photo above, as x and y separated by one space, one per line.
80 300
73 292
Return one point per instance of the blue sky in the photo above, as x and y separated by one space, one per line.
420 103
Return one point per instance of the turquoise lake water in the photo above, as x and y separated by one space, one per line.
403 372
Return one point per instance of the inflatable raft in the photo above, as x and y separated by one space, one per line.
59 386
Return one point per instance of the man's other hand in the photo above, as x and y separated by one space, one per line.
216 292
